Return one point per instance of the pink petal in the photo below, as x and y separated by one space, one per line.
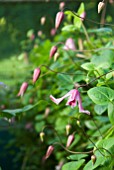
72 99
80 105
57 101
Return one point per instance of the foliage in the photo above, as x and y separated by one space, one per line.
89 69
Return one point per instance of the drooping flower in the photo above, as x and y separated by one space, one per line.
23 89
49 151
69 44
74 97
36 74
59 18
53 51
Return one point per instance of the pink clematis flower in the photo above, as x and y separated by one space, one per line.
74 97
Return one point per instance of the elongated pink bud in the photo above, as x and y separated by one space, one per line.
36 74
59 19
70 140
23 89
53 51
49 151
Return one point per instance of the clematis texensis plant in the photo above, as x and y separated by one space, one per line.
73 97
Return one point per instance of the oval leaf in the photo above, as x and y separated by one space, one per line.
74 165
101 95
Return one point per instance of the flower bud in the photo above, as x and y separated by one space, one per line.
42 20
28 126
78 122
49 151
32 37
111 1
69 44
59 19
82 16
93 158
56 55
70 140
23 89
42 134
61 5
68 127
53 51
47 111
100 6
53 32
39 33
36 74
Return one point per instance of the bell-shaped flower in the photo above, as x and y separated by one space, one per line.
73 97
69 44
36 74
23 89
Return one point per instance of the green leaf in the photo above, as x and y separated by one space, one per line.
111 112
77 20
69 28
77 156
65 79
109 75
69 15
104 60
39 126
14 112
74 165
88 66
100 109
101 95
90 166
